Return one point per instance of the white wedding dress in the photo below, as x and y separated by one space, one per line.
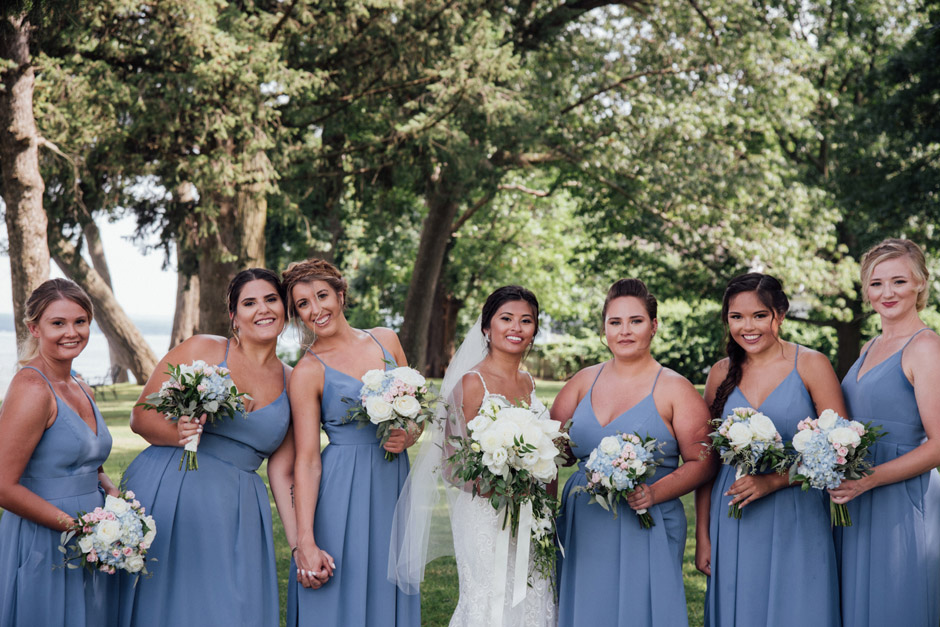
475 525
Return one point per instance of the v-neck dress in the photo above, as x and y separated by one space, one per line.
215 541
890 556
353 521
776 565
615 572
35 587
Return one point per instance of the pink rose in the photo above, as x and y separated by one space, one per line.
92 557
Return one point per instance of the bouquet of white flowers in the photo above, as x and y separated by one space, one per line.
393 399
830 449
111 538
616 467
192 391
749 441
509 456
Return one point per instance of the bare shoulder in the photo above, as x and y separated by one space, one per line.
720 370
810 361
209 348
471 384
923 349
28 391
387 337
674 383
308 370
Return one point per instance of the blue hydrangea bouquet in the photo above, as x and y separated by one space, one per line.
829 450
191 391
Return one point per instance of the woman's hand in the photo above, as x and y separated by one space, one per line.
849 489
749 488
703 555
106 484
642 497
187 427
397 441
314 566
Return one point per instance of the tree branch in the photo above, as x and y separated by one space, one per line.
708 22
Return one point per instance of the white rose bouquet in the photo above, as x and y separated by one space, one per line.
393 399
111 538
193 390
830 449
508 457
616 467
749 441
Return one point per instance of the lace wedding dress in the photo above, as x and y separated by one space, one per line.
475 524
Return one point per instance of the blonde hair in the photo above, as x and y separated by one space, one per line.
892 248
308 271
40 299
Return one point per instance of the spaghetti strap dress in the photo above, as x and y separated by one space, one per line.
890 556
353 521
35 587
615 572
215 542
776 565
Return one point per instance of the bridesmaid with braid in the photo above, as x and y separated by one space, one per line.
890 556
776 566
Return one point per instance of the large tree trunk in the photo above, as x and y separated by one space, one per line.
442 330
130 345
849 335
442 201
19 167
100 263
239 244
186 314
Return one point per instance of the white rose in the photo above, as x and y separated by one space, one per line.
518 415
762 427
740 435
827 419
479 424
544 469
116 505
550 428
530 459
407 406
802 439
490 440
610 446
637 466
409 376
85 543
107 531
843 436
532 434
378 409
507 431
134 563
373 379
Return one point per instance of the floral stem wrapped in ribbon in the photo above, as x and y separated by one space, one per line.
829 450
192 391
111 538
616 467
508 457
393 399
749 441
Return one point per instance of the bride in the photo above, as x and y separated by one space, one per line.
486 367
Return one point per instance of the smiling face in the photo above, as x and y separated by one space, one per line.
628 327
259 312
318 306
892 288
62 330
752 324
512 327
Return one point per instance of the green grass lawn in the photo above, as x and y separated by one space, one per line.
439 591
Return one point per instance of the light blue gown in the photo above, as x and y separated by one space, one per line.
776 566
353 522
890 556
215 544
615 572
35 589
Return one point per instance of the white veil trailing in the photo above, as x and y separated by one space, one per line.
421 528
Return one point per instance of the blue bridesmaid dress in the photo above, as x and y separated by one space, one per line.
615 572
214 544
35 587
776 566
890 556
353 522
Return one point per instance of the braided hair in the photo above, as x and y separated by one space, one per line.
770 292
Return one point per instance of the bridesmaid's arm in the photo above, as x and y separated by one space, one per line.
921 366
703 493
566 402
27 411
688 415
281 478
153 426
398 439
306 391
821 382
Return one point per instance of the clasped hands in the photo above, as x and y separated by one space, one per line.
314 566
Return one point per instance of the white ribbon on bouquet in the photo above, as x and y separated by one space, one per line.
521 559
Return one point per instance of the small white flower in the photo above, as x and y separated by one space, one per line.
844 436
827 419
740 435
545 469
373 379
409 376
378 409
85 543
490 440
610 446
407 406
116 504
802 439
475 447
134 563
107 531
479 424
763 428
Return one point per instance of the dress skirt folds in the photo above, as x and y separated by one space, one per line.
890 556
35 587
